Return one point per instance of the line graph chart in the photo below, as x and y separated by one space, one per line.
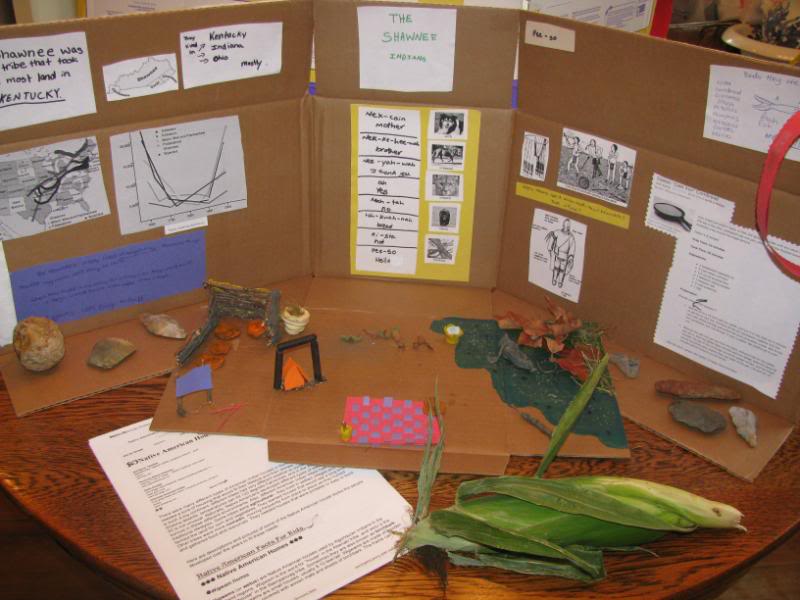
178 173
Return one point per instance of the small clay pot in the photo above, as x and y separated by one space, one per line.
295 324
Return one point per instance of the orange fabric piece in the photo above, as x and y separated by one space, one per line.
293 376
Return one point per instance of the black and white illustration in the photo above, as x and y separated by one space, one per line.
448 187
444 217
557 253
441 249
446 155
450 123
535 152
597 167
674 207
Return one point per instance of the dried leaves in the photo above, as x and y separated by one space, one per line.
537 333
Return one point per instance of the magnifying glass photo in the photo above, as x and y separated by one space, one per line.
670 212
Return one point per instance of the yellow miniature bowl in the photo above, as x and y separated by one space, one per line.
452 333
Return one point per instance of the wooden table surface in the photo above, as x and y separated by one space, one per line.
47 466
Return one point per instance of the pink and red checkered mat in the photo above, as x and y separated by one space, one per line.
387 421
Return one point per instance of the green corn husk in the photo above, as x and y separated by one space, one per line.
453 522
523 564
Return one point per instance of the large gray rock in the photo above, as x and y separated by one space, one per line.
697 416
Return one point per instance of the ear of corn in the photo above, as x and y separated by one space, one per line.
554 527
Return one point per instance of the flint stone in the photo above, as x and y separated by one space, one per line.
109 352
38 343
163 326
627 364
746 424
697 416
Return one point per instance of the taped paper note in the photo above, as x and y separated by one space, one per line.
406 49
413 186
673 207
44 79
728 307
49 187
80 287
230 52
747 108
176 173
141 77
556 254
549 36
223 522
578 206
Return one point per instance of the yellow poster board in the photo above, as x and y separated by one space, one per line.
413 176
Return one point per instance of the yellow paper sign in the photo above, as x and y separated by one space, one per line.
413 177
593 210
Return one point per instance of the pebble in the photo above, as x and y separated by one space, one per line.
746 424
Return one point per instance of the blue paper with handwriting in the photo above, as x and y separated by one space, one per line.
76 288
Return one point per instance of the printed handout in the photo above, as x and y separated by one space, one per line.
223 522
747 108
556 254
674 206
44 79
630 15
728 307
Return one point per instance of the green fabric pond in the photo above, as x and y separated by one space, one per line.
550 389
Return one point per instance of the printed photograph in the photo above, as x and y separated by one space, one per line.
441 249
450 123
445 186
556 254
596 167
447 155
444 217
535 151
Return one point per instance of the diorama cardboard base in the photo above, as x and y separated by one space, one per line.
639 402
303 426
73 378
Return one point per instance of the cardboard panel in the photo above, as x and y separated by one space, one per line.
619 278
331 189
267 241
484 60
113 39
644 91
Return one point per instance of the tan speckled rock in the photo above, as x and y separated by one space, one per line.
39 343
163 326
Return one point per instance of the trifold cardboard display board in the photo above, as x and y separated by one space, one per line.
392 199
